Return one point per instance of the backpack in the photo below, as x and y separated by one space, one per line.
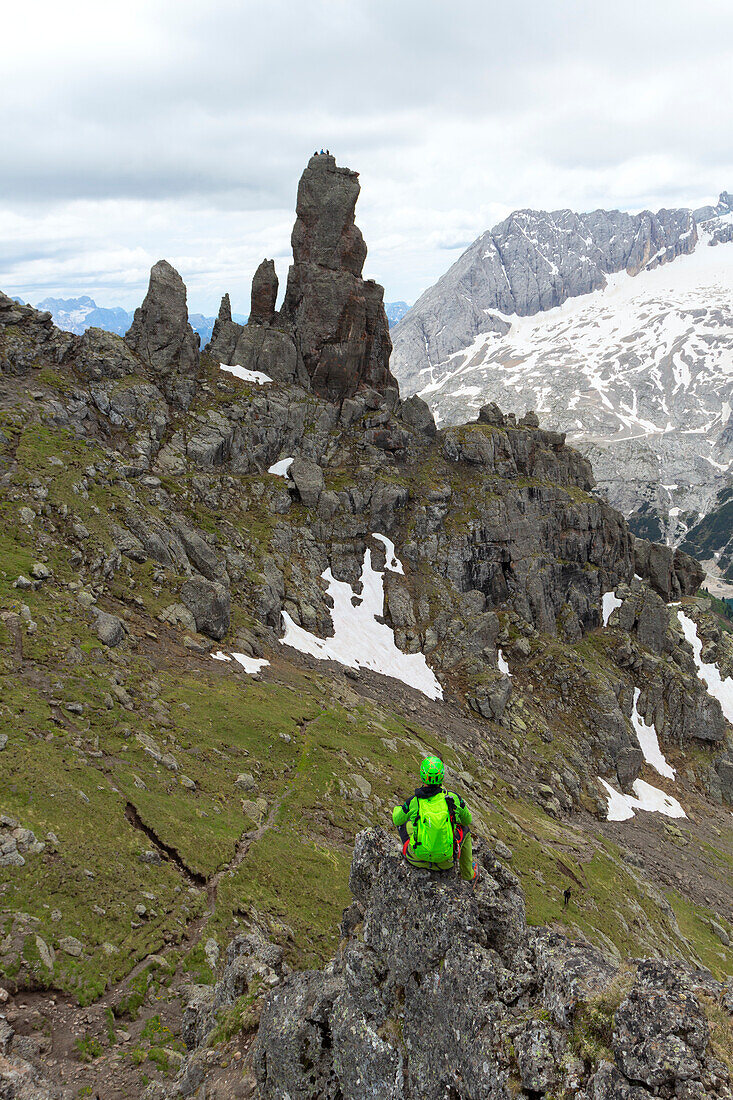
434 828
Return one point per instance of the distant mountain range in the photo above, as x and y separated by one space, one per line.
615 328
79 314
395 312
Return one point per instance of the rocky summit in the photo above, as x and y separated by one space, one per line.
244 590
440 989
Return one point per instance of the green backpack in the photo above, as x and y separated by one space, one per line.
434 828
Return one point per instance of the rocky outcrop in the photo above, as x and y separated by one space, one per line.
440 989
161 335
266 343
28 338
341 328
671 573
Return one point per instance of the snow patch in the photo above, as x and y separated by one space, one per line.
359 641
281 468
610 603
622 807
252 665
257 376
720 689
393 562
502 663
646 735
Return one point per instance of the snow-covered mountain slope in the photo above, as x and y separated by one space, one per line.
639 373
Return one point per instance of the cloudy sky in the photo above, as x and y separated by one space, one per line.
168 128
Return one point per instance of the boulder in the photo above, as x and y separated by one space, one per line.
308 479
490 699
416 414
210 604
671 573
629 763
110 629
491 414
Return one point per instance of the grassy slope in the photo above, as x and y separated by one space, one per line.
305 736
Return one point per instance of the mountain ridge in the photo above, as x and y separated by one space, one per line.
635 371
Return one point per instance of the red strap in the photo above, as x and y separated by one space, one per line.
405 846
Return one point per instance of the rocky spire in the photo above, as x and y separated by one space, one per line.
264 294
161 335
225 309
222 324
339 320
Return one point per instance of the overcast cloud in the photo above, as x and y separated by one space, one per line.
174 129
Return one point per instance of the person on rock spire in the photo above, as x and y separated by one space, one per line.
434 825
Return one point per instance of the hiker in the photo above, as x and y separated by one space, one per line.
434 825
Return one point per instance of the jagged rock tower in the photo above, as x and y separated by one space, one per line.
341 327
332 333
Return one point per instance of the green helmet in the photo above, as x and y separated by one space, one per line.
432 770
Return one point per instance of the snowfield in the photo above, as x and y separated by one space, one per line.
281 468
359 641
638 374
622 807
644 356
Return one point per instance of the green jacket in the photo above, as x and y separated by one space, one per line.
409 810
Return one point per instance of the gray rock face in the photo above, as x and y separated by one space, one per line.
428 964
161 335
660 1030
332 334
439 989
532 261
341 328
